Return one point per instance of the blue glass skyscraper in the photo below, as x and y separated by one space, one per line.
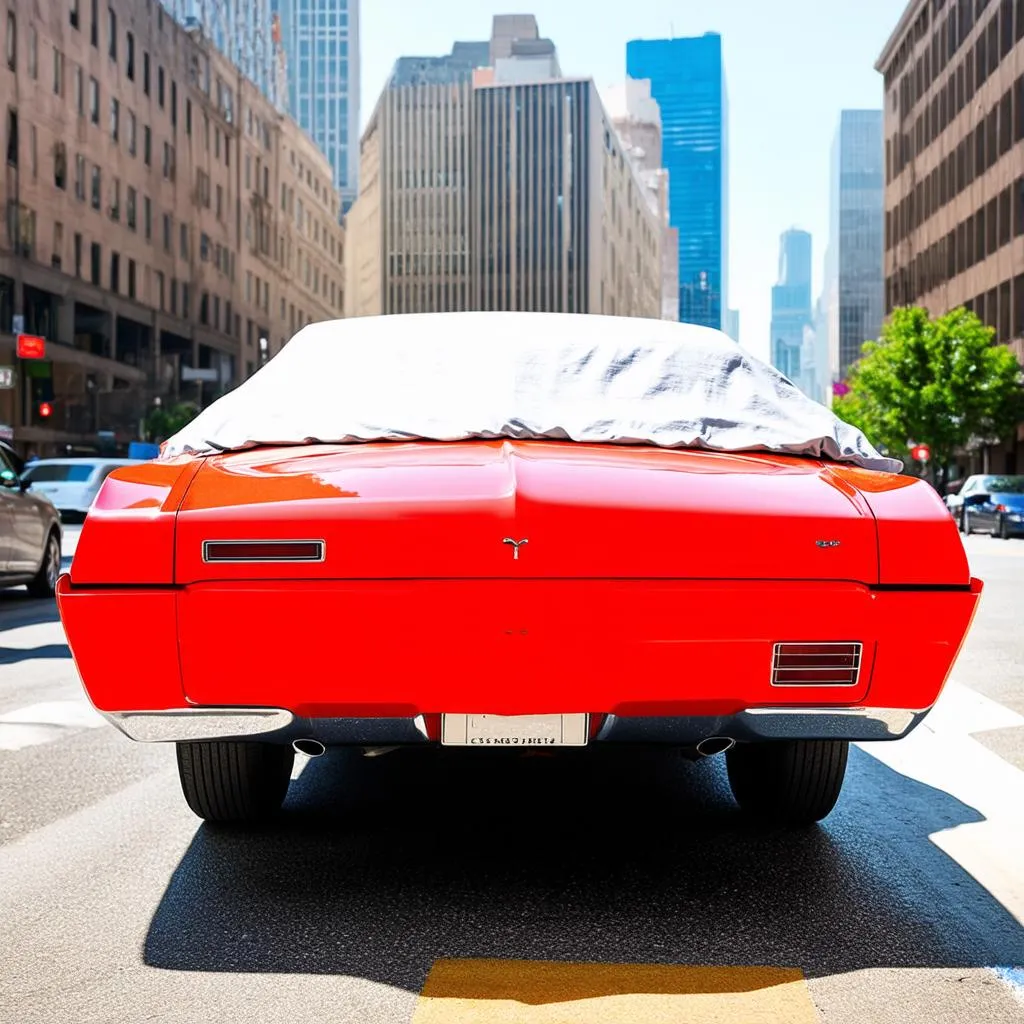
687 78
321 44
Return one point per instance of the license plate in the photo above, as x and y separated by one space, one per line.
514 730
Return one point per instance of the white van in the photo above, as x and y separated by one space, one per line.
71 484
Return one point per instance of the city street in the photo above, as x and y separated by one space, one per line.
390 884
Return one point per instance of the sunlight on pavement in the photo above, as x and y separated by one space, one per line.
539 992
941 753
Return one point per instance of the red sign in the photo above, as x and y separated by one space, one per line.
921 453
31 347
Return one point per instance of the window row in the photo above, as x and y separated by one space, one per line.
991 138
975 239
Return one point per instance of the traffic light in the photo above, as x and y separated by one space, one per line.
45 410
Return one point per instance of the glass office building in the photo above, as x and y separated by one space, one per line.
687 78
321 44
791 305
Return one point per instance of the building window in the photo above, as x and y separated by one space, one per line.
80 177
73 14
160 86
115 119
131 279
160 289
145 72
131 134
94 260
112 37
96 190
188 116
94 23
167 232
115 200
147 217
78 255
130 211
94 101
79 93
220 202
12 137
60 165
129 40
58 72
174 103
147 145
115 271
12 41
33 52
168 168
204 308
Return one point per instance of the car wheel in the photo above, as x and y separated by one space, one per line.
965 523
234 781
792 782
44 583
1004 528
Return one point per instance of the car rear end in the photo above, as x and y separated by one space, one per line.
516 594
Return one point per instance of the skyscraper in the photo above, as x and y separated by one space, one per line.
503 187
688 80
854 281
791 303
321 44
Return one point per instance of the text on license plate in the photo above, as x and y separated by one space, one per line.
514 730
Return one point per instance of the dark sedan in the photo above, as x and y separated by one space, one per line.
990 504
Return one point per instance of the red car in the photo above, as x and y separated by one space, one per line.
516 530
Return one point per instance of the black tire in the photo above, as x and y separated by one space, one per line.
791 782
963 521
967 528
44 583
1004 529
233 781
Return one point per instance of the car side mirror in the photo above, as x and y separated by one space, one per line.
8 478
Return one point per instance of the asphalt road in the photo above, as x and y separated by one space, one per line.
400 888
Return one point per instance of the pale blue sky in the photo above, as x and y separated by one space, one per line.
791 66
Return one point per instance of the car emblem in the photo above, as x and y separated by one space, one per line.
516 545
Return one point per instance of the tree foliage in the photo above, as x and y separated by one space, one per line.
943 382
163 422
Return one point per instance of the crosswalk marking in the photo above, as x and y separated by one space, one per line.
45 722
544 992
943 754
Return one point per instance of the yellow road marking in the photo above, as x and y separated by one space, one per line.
541 992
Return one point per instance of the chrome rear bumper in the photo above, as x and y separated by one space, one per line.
276 725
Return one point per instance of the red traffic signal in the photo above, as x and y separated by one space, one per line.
45 409
921 453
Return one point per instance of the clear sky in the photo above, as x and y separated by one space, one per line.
791 66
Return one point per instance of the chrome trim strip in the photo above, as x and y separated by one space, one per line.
321 548
184 724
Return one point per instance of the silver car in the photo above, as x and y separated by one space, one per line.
71 484
30 531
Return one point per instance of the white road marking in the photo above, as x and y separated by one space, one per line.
941 753
46 722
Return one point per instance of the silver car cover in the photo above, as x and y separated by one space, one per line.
458 376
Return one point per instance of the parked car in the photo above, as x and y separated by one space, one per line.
71 484
503 531
30 531
990 503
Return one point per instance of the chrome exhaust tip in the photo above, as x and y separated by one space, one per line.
311 748
715 745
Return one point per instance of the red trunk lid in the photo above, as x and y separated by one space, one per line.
427 510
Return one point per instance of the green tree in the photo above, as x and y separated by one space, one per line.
163 422
942 382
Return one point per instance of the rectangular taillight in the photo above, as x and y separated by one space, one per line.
824 664
263 550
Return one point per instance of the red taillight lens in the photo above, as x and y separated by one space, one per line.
1002 508
825 664
263 550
